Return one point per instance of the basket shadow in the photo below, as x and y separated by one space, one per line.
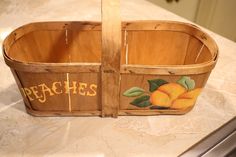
215 98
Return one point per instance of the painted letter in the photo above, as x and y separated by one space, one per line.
28 93
68 88
93 89
22 89
55 87
35 92
82 86
45 89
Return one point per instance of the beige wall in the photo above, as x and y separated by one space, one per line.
216 15
219 16
184 8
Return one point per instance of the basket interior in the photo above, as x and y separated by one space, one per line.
142 47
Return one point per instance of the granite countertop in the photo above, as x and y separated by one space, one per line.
25 135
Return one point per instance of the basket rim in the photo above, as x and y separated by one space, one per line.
125 68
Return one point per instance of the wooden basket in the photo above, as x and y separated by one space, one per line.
128 68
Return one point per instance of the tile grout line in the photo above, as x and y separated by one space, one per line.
8 106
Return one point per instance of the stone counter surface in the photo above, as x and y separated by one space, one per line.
143 136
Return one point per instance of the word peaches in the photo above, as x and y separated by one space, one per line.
42 91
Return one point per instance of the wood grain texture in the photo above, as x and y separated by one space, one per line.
194 48
168 70
152 112
111 52
157 47
62 113
203 55
84 46
175 27
86 97
38 89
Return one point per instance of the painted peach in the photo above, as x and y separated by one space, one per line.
193 94
174 90
159 98
182 103
186 100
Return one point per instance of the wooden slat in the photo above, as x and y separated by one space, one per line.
86 97
152 112
111 51
173 26
52 67
157 47
168 70
63 113
85 46
204 55
194 47
46 91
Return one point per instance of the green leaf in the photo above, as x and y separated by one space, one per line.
154 84
144 104
186 82
159 107
142 101
133 92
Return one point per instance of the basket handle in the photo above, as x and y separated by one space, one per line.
110 66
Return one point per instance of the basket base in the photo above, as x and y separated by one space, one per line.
61 113
99 113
